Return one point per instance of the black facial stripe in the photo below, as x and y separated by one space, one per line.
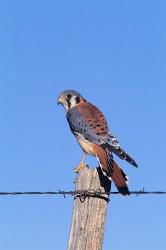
68 102
77 99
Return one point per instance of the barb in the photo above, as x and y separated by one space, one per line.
83 193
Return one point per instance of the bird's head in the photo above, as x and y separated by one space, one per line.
70 98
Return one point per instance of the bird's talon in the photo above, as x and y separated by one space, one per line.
80 167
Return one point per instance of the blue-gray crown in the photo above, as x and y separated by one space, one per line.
73 92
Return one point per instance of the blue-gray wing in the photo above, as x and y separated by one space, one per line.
89 124
78 124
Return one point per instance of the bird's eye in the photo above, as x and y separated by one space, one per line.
69 96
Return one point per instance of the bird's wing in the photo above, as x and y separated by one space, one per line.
88 120
113 145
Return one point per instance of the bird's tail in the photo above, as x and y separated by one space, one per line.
113 172
117 175
120 180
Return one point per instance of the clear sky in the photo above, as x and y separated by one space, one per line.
114 53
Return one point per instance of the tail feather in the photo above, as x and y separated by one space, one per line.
113 172
123 155
120 180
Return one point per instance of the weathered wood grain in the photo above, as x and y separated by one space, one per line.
88 220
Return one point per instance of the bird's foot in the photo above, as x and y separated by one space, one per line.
80 167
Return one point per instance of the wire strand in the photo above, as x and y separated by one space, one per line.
88 192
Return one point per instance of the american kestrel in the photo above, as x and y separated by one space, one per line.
89 126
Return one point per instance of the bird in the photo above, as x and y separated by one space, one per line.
89 126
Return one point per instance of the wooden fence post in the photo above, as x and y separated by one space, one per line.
88 220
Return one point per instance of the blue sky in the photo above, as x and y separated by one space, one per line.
114 53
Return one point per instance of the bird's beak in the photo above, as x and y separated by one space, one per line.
60 100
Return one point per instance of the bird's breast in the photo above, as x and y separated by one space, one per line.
87 146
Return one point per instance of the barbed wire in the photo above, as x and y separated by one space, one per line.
83 193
